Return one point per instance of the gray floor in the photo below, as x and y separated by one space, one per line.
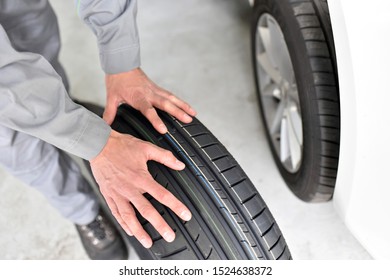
199 50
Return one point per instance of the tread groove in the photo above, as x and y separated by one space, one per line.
208 145
281 254
157 239
329 156
219 157
238 182
248 198
200 134
258 214
187 124
228 168
276 243
209 254
177 251
330 142
268 229
327 126
331 168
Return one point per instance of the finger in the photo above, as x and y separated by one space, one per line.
168 106
127 213
114 210
177 101
110 111
165 197
146 209
151 114
163 156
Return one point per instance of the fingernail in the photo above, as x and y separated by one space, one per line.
180 164
146 242
187 118
169 236
186 215
163 129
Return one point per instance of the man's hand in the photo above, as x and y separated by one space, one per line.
137 90
121 172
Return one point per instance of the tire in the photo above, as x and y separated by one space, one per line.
229 218
299 102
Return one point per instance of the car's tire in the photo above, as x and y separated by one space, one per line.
230 220
296 79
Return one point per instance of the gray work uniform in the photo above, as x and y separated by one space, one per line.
38 120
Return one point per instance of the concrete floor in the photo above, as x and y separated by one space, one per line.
199 50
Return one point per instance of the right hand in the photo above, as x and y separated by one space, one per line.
136 89
123 177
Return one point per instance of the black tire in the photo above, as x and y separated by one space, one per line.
229 218
307 31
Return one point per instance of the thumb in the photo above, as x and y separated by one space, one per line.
110 111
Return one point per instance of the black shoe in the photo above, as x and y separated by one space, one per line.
101 240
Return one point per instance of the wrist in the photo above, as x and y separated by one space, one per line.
112 137
135 72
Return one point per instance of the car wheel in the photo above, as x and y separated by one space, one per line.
296 80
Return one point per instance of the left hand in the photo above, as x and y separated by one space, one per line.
121 171
137 90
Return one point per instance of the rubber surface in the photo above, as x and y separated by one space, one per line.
308 33
230 220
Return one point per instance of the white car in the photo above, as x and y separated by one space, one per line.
321 69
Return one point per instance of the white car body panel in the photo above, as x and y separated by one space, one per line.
361 32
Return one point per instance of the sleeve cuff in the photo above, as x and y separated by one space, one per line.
92 139
120 60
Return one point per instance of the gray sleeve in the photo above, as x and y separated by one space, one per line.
33 100
114 24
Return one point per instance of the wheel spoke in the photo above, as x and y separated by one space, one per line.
279 51
265 57
284 143
296 121
291 138
267 66
265 37
294 131
277 120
